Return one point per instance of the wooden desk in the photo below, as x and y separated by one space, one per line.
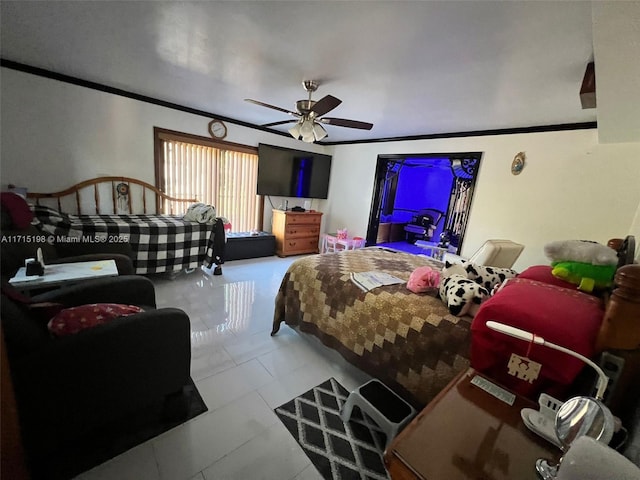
465 433
61 273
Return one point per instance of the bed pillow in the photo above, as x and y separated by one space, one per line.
17 208
75 319
542 273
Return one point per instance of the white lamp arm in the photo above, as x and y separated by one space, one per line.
603 380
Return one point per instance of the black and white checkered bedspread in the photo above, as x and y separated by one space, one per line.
160 243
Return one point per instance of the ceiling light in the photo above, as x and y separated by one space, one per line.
295 131
318 131
306 130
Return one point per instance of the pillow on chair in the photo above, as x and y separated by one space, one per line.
75 319
18 209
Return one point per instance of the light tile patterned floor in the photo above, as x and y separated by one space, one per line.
243 374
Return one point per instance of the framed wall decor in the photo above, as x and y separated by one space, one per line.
518 163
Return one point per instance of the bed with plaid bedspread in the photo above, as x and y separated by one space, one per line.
160 243
409 341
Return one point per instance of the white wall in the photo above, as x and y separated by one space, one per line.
571 188
55 134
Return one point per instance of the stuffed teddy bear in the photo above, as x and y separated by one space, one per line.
423 279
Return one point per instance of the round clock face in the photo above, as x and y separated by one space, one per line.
217 129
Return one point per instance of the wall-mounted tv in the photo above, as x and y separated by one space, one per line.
285 172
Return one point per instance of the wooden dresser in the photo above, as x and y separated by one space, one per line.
296 232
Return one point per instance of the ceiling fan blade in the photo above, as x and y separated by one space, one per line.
295 114
343 122
325 105
273 124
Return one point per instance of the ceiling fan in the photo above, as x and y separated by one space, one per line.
308 116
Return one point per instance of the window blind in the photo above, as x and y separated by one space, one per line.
215 175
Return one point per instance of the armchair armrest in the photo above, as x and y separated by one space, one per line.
127 289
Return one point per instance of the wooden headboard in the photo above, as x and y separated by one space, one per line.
122 195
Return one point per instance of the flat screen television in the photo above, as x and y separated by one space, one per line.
285 172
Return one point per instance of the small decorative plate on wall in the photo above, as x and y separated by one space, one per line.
518 163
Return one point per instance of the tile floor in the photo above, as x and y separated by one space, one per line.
242 374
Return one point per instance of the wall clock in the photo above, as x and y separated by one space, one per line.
518 163
217 129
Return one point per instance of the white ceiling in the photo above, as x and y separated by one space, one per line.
410 68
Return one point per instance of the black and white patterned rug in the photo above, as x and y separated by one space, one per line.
339 451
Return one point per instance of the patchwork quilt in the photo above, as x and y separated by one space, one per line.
409 341
161 243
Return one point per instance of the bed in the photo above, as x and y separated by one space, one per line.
122 210
409 341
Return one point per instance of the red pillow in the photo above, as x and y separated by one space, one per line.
18 208
542 273
75 319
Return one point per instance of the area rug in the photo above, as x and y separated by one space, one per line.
66 461
339 451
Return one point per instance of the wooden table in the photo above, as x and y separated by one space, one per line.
63 273
466 433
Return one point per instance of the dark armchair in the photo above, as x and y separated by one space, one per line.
66 387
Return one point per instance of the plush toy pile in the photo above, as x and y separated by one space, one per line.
589 265
464 286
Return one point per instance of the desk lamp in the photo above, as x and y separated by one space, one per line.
577 416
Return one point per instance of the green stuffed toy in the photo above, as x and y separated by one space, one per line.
585 275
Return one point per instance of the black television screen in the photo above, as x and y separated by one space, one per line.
285 172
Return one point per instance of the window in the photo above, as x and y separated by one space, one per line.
214 172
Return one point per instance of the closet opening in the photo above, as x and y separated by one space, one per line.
422 199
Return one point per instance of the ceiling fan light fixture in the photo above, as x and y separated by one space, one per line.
319 132
306 131
295 131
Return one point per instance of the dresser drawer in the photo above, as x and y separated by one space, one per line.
304 218
300 231
300 245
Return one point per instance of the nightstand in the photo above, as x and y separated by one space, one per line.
466 433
